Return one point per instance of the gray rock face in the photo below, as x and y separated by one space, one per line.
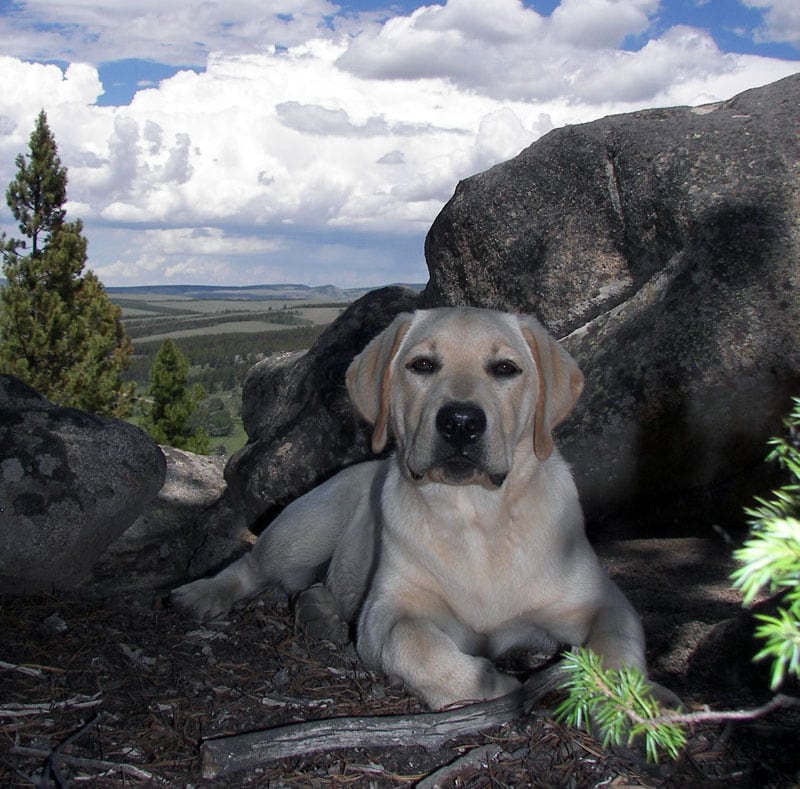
169 538
70 483
664 246
301 425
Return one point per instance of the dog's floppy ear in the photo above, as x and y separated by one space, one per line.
368 378
560 384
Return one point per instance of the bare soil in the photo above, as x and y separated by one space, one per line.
122 692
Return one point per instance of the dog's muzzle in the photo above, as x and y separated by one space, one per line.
460 457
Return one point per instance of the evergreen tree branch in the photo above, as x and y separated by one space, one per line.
779 701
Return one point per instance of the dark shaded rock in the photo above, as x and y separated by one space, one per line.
723 660
301 425
663 246
70 483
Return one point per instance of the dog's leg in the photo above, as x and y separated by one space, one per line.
209 598
433 667
617 635
616 632
294 550
283 557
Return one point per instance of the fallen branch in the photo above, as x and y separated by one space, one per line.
14 710
472 759
32 670
27 670
224 755
129 770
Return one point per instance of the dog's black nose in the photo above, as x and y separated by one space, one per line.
460 423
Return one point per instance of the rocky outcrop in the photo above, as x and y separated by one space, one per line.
663 246
70 484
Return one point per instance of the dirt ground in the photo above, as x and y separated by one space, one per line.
122 693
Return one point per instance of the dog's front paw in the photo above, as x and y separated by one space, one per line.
203 600
480 683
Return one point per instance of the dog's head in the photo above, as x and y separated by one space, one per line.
463 391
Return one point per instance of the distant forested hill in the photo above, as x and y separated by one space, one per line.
249 292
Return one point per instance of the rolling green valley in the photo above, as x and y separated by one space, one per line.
223 332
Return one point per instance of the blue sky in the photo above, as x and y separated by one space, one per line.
253 141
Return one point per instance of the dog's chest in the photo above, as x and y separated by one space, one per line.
480 561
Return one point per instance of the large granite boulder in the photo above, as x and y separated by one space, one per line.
70 484
663 246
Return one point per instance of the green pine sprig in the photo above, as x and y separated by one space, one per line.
771 558
619 704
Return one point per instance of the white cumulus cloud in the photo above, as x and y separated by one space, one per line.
309 144
781 20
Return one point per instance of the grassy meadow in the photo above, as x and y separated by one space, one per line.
223 334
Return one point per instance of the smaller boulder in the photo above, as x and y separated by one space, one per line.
70 484
168 540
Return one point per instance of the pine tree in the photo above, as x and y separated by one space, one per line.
166 416
59 332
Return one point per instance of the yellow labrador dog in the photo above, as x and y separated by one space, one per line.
469 540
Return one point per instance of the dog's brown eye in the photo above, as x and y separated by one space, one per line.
504 369
423 365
